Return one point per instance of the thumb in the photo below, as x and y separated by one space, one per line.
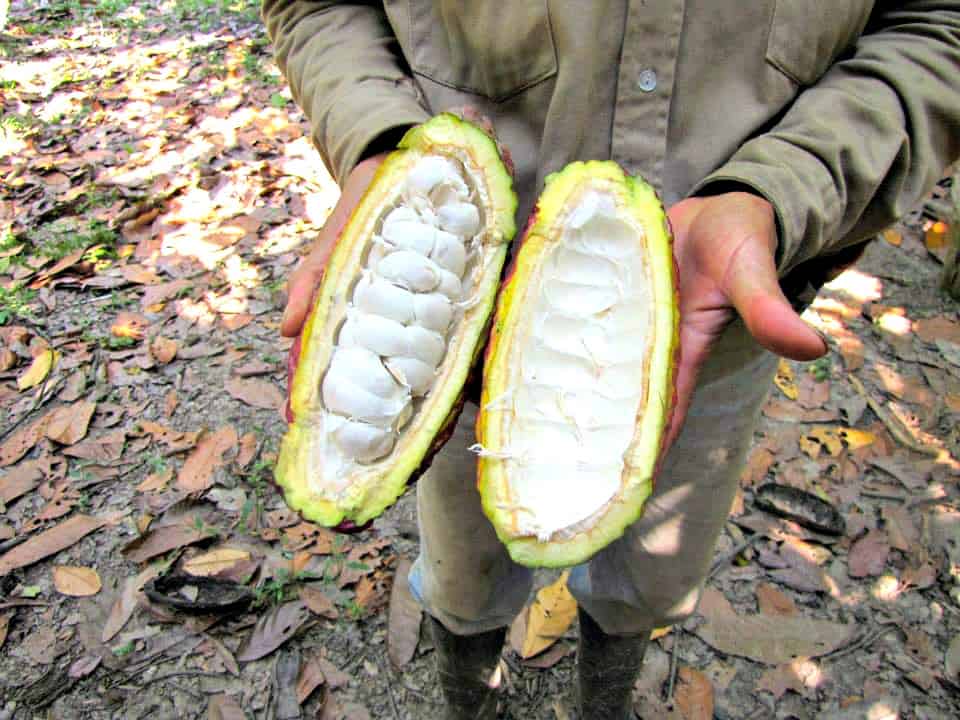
752 286
300 289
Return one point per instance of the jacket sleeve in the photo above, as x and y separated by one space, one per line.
341 61
862 146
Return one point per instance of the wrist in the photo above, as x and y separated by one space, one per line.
750 197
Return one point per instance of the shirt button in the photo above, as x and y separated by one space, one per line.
647 80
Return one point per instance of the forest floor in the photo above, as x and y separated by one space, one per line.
157 190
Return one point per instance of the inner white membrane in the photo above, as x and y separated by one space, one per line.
419 275
581 376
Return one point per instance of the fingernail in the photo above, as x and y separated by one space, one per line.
823 336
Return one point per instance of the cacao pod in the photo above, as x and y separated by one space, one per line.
397 323
578 380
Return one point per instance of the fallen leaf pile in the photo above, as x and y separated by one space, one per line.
159 186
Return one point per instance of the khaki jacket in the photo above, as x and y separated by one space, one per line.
842 113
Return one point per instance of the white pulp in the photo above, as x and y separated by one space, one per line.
401 315
581 379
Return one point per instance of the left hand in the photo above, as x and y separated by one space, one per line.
724 246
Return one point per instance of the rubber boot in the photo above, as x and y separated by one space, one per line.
466 665
607 669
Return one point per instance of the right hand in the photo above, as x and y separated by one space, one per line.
305 279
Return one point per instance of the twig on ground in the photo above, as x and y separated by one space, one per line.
896 428
725 560
178 673
393 701
42 398
882 496
674 656
865 641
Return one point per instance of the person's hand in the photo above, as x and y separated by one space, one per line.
724 246
305 279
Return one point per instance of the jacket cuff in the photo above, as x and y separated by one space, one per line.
365 129
798 187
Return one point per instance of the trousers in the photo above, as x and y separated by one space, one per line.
653 574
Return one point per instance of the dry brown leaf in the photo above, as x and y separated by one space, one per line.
38 370
893 237
196 475
164 539
64 499
773 640
935 236
786 411
370 592
770 601
41 644
311 677
76 581
51 541
4 626
103 449
785 381
758 464
175 440
129 325
64 263
901 529
199 350
138 274
19 481
163 350
215 561
868 555
68 424
143 523
83 666
318 603
693 695
126 602
248 449
224 654
170 402
22 441
913 390
835 437
255 392
938 328
851 349
550 616
278 625
801 675
403 621
8 359
224 707
156 481
154 294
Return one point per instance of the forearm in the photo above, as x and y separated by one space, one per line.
862 146
341 62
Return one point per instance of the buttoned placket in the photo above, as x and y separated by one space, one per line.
644 82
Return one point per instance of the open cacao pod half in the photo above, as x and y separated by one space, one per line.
397 323
579 375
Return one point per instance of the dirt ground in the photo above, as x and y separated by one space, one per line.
157 190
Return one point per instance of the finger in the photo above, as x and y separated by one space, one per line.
300 289
751 284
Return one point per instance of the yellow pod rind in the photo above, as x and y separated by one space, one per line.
638 200
299 470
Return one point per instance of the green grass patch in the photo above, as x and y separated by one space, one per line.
15 304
